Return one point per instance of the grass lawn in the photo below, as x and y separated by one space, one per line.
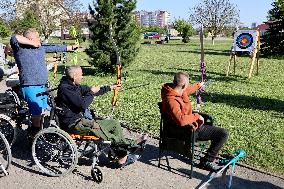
252 110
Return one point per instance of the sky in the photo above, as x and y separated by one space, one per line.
250 10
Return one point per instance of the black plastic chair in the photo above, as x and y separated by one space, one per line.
181 140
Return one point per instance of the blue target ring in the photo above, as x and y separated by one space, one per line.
244 40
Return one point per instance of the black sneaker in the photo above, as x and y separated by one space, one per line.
209 166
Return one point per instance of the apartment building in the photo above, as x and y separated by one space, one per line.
153 18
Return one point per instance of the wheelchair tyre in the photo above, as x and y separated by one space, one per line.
97 174
8 128
54 152
5 154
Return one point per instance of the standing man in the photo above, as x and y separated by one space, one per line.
29 55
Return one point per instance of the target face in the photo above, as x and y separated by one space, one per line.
244 40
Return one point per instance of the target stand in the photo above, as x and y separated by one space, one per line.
245 41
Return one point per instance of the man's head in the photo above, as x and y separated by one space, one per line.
32 34
181 80
74 73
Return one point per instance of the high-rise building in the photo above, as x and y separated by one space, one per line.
155 18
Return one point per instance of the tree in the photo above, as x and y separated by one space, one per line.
49 12
273 39
215 16
125 31
187 31
179 25
4 29
29 20
184 29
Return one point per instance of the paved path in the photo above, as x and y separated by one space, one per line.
144 174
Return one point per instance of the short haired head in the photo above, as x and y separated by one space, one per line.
181 79
75 74
71 71
31 33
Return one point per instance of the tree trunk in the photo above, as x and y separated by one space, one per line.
213 39
46 36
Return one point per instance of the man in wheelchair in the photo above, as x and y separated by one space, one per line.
75 99
177 107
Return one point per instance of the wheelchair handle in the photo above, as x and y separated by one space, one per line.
46 92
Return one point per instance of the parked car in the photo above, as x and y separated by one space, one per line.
152 35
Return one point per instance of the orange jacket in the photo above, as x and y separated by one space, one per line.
178 107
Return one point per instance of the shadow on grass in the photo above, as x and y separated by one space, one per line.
214 76
249 102
208 52
182 44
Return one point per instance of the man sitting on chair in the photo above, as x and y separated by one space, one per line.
74 99
177 107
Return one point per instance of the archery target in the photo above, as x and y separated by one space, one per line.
245 40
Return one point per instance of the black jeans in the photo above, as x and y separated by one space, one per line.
217 135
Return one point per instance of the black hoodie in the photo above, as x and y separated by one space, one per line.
74 99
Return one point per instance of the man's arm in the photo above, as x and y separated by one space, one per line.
191 89
25 41
59 48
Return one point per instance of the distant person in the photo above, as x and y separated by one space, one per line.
167 39
29 55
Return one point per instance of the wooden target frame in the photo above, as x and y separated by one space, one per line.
254 54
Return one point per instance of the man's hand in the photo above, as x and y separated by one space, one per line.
200 121
115 86
95 89
201 84
72 47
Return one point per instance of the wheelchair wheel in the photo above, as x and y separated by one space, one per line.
54 152
5 155
8 128
97 174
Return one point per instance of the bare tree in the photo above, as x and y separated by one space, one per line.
49 12
215 16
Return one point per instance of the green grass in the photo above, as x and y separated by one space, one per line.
252 110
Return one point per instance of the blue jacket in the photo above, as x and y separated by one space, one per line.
31 61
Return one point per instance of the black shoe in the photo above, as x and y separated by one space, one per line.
209 166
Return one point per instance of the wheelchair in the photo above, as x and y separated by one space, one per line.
56 152
10 110
5 155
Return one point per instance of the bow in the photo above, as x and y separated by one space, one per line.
118 70
202 64
73 34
